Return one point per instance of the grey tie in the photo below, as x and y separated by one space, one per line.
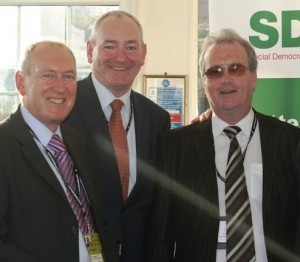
240 239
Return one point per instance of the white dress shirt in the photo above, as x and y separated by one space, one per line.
253 173
44 135
106 97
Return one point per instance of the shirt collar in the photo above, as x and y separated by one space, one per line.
245 124
43 133
106 97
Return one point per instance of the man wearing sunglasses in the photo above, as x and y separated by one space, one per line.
229 190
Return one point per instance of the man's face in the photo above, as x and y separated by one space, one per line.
118 54
229 94
49 90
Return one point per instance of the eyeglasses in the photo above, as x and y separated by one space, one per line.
233 69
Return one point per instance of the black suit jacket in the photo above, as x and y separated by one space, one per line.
36 220
187 209
124 224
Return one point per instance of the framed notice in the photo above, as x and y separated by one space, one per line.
169 92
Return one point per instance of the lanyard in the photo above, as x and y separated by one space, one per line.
254 124
79 184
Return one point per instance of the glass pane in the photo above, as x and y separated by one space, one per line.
20 25
9 98
203 27
37 22
82 19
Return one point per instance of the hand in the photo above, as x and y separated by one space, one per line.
204 116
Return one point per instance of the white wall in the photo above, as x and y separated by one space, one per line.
171 34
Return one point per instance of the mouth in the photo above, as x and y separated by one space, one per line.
56 100
225 92
118 68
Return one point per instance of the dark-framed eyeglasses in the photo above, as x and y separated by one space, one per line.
234 69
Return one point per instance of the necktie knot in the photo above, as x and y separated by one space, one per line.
231 131
57 144
116 105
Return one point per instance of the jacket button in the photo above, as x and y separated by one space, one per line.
74 230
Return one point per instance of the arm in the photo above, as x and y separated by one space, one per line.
160 237
9 251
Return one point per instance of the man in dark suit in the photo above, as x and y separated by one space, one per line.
191 212
116 52
37 218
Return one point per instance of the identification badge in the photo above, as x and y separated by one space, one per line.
222 233
256 182
94 247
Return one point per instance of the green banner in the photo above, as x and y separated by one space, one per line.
279 97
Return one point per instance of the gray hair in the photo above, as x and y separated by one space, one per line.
25 62
227 36
117 13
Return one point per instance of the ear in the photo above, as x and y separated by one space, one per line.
144 53
89 51
254 77
19 79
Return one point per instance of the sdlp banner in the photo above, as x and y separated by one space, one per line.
273 29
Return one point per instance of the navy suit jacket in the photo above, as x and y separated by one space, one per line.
188 211
123 223
36 220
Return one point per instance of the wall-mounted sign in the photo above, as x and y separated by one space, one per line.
169 92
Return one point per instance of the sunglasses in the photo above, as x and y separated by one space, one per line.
233 69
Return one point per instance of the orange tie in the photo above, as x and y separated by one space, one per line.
119 140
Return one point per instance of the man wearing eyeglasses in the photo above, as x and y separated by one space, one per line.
229 190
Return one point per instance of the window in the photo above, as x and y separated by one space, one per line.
203 30
20 25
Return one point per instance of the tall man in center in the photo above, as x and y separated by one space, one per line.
116 52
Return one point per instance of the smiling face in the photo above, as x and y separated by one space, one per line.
230 96
49 88
118 53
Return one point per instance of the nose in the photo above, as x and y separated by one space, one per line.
121 54
59 82
226 75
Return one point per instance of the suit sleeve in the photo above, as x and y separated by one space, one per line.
9 251
160 237
298 199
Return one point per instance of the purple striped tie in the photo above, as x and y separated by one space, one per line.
82 212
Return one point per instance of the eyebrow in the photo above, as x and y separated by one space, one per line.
115 41
54 71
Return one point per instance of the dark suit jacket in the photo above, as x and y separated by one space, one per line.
188 212
36 220
124 224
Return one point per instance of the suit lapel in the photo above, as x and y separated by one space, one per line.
99 138
141 121
80 156
33 155
90 107
269 142
203 144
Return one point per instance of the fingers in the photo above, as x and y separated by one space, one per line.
204 116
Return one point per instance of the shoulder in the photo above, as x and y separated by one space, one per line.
71 133
273 124
12 123
143 101
183 134
85 81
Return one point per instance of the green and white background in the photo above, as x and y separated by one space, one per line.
273 28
